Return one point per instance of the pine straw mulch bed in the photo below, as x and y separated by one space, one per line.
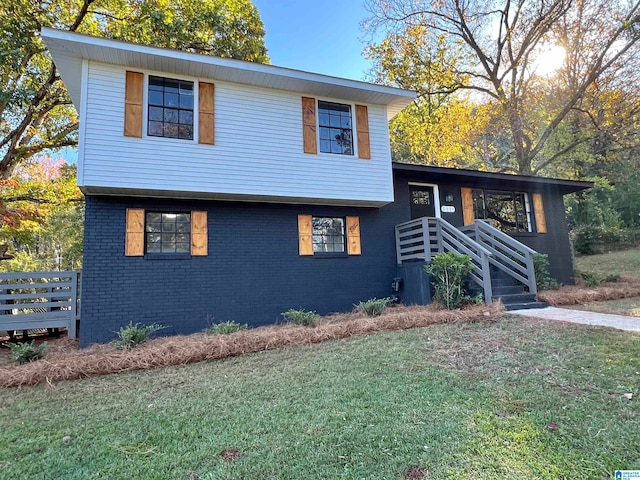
65 364
626 287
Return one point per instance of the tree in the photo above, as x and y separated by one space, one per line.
437 127
48 225
500 46
445 136
36 114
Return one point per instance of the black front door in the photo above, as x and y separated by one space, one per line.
422 201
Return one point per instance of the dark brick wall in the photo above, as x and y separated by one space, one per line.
554 243
253 271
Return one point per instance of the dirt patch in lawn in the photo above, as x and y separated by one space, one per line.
177 350
627 287
414 472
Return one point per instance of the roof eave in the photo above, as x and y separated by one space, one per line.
566 186
70 48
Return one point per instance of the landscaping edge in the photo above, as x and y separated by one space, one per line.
626 287
183 349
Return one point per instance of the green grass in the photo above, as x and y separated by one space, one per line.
625 262
460 401
625 306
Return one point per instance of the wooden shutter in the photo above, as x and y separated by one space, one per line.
206 113
134 234
538 209
353 236
133 94
199 243
467 205
362 124
305 234
309 125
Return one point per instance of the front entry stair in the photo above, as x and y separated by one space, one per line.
511 293
502 266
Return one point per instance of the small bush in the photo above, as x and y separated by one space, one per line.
23 352
477 299
544 281
611 278
133 335
301 317
226 328
450 271
592 279
374 306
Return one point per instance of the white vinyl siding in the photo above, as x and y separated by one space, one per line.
258 150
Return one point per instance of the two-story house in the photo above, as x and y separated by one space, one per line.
218 189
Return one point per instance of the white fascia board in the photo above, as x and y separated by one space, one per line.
65 47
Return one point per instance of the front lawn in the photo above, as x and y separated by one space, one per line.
624 262
513 399
625 306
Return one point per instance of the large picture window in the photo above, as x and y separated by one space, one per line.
170 111
329 235
508 211
336 131
168 232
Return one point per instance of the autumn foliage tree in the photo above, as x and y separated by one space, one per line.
495 51
438 127
42 216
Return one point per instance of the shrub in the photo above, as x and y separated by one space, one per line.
374 306
592 279
450 271
301 317
225 328
24 352
544 281
476 299
133 335
611 278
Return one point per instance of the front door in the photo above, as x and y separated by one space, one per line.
422 201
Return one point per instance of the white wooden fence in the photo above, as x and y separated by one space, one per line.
30 300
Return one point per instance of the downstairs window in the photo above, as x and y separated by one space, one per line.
167 232
328 235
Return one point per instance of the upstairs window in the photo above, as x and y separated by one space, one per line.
508 211
336 132
170 111
168 232
328 235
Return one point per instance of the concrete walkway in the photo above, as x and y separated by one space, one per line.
620 322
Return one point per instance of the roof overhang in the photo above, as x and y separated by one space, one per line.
493 180
69 49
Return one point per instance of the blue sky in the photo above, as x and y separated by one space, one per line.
320 36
